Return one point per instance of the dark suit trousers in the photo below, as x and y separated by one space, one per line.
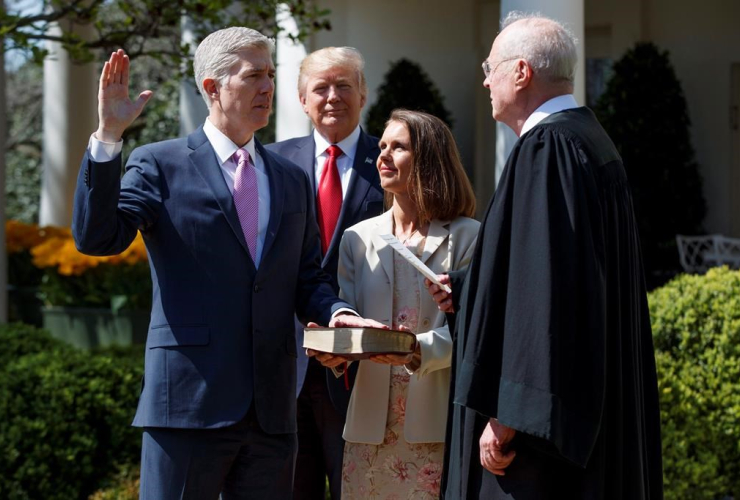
239 462
320 443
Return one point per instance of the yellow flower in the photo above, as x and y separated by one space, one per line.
58 250
20 236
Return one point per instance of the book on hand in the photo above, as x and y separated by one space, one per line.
358 343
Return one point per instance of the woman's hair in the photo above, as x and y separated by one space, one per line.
438 184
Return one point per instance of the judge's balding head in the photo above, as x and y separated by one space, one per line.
532 60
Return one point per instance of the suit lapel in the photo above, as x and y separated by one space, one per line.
305 157
361 181
204 160
383 249
438 232
277 197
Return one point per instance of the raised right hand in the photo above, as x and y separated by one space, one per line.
115 109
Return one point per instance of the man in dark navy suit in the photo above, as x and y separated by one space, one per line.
339 158
234 252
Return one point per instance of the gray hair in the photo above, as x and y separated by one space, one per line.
331 57
219 52
546 44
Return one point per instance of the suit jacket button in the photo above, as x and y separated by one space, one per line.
257 288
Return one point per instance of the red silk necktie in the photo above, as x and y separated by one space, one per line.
329 199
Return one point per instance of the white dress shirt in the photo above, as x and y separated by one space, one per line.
344 163
554 105
225 149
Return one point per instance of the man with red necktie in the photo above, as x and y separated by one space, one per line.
339 158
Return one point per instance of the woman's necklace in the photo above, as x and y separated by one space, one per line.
401 237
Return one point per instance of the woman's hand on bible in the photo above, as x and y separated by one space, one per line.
392 359
397 359
326 359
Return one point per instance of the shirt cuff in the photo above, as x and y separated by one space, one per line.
102 152
344 310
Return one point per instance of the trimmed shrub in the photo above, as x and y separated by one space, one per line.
645 113
123 486
696 330
406 85
65 416
19 339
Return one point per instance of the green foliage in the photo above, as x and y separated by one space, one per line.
644 111
696 329
23 157
116 286
134 24
64 415
406 85
19 340
148 28
124 486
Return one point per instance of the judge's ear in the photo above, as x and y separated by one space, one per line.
522 73
211 87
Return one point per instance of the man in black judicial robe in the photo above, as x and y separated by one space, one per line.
554 391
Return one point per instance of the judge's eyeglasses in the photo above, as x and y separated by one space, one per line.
487 66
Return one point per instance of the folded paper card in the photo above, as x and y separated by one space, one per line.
413 260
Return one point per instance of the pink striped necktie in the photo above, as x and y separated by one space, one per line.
246 199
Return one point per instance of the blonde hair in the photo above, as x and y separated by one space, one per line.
332 57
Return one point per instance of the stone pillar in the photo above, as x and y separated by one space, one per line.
291 121
568 12
193 109
70 116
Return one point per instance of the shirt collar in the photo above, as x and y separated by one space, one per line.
554 105
223 146
348 145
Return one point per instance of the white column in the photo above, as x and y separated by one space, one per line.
70 116
291 121
568 12
193 109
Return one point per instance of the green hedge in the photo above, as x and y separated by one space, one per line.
65 415
696 329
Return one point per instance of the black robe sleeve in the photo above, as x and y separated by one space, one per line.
534 313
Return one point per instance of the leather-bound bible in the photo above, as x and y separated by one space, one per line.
358 343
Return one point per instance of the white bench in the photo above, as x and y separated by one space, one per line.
699 253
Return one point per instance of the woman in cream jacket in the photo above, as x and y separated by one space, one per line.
395 425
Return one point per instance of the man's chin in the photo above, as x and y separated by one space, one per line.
260 124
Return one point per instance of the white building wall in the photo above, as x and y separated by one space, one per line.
450 40
703 41
439 35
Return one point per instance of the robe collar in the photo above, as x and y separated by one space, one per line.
547 108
